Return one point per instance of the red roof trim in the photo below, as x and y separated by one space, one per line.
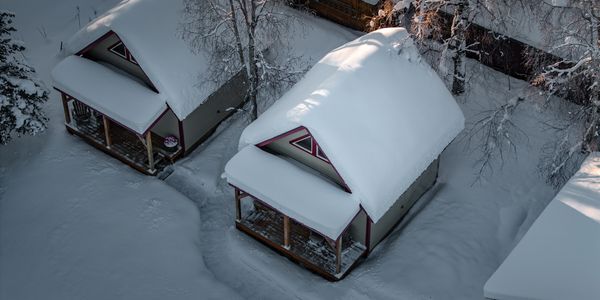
300 128
264 143
93 44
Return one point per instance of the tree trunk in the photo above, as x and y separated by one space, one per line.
591 139
457 45
253 72
236 32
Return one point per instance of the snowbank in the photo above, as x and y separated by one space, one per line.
123 99
379 113
559 257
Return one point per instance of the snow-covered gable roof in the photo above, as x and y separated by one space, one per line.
559 256
149 29
380 114
127 101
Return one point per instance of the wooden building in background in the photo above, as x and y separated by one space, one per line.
351 13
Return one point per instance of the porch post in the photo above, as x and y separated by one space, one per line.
238 206
149 147
286 232
65 103
107 131
368 236
338 255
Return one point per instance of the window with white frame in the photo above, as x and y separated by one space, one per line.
120 50
308 144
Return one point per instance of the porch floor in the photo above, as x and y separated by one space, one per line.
316 254
126 145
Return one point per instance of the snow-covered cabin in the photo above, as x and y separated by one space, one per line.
335 163
133 88
559 256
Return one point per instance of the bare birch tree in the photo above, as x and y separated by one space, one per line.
248 36
572 34
429 27
575 76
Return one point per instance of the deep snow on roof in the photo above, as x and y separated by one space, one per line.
380 113
149 29
127 101
297 193
559 257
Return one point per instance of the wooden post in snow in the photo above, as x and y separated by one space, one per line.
107 137
286 232
65 102
149 147
338 255
238 205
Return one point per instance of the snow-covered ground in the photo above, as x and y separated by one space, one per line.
77 224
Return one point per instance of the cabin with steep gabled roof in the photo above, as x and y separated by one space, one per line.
133 88
326 173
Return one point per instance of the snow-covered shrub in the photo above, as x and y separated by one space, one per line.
21 94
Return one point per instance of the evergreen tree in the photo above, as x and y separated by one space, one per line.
21 94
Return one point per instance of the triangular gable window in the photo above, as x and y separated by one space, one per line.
307 144
321 155
304 143
122 51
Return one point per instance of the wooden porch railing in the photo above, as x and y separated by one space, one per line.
328 258
144 153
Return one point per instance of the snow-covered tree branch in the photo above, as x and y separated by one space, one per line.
493 133
430 28
245 36
576 76
21 94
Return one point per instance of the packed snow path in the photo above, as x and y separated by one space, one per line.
75 223
447 251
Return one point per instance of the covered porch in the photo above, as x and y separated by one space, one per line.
115 115
295 212
143 152
332 259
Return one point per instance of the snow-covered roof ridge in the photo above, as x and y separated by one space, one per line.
379 113
149 29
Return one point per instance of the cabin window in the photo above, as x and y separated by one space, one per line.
122 51
307 144
304 143
321 155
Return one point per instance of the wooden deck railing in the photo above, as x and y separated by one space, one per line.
328 258
144 153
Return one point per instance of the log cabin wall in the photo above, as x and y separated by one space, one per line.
499 52
507 55
351 13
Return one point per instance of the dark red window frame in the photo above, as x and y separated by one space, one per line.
127 55
314 151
